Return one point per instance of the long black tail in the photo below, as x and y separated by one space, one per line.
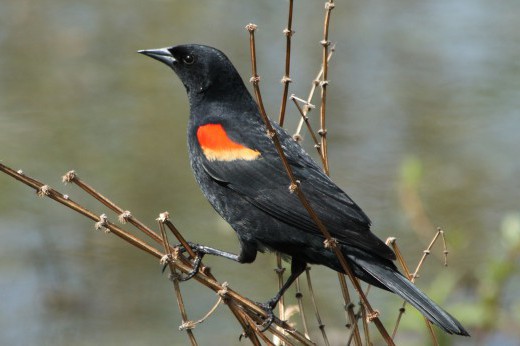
398 284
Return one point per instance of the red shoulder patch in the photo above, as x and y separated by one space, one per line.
216 145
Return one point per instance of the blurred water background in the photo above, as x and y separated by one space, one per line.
424 102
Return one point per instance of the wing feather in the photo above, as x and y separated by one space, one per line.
265 184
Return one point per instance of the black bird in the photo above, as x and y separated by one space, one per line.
242 176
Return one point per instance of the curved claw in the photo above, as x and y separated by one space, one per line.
268 308
165 265
196 263
195 270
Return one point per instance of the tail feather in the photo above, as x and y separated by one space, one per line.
398 284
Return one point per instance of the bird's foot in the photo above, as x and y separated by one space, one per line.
268 307
196 266
196 262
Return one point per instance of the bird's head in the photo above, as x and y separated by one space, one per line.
202 69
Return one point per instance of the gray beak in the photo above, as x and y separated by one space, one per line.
162 54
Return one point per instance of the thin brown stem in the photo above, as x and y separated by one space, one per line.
288 32
298 337
178 234
299 299
365 325
349 309
294 186
45 190
305 118
329 6
250 331
125 216
393 243
175 281
279 273
180 303
315 83
440 233
321 326
246 306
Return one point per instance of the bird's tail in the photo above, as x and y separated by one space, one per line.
398 284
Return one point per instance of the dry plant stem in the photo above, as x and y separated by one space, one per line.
321 326
346 296
246 305
283 340
125 216
393 243
322 148
329 6
305 118
288 32
434 339
299 338
189 325
262 336
299 299
180 238
398 320
426 252
279 273
72 177
316 82
365 325
295 187
349 309
45 190
175 281
324 158
244 302
180 303
250 330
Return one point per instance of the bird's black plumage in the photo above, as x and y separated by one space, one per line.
241 174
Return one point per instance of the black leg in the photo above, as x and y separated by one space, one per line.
247 255
297 267
202 249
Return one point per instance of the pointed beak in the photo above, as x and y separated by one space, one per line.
163 55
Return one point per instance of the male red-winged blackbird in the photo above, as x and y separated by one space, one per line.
242 176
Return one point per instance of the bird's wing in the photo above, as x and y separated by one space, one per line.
263 181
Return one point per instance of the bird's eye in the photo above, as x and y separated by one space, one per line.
188 59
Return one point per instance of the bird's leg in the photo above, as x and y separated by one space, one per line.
246 255
297 267
248 251
206 250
